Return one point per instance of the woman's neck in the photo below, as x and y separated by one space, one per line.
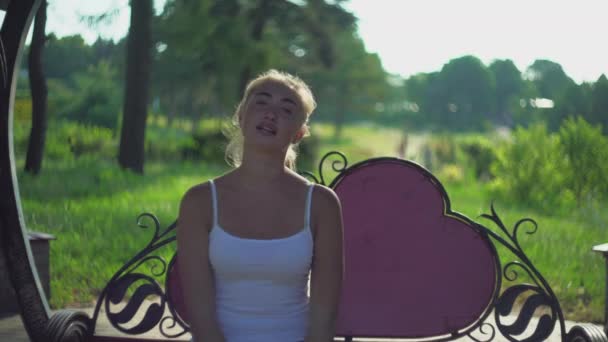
261 169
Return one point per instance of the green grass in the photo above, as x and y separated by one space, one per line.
91 206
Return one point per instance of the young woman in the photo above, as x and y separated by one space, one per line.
248 239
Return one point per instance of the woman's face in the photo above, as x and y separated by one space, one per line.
273 116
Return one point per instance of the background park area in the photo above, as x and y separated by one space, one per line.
109 129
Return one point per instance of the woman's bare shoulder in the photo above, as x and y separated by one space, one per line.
197 194
326 208
326 197
196 206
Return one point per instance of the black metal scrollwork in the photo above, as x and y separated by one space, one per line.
491 333
533 301
144 287
336 165
127 314
173 323
533 296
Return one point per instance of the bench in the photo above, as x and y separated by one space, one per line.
414 269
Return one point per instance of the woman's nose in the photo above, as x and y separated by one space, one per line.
271 112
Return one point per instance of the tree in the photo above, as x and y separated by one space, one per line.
549 78
66 55
574 101
238 39
202 49
358 81
35 148
509 84
599 103
139 45
95 99
319 19
466 93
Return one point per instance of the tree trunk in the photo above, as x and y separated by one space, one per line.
139 45
35 148
259 17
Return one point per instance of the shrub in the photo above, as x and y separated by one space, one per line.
451 173
564 170
71 139
207 146
95 100
529 169
439 151
480 153
585 151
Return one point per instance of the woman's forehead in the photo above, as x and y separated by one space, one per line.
276 89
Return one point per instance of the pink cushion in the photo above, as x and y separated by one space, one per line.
411 269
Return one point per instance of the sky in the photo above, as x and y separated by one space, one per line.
413 36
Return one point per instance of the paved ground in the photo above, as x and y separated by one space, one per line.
11 329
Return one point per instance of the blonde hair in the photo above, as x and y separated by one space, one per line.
234 149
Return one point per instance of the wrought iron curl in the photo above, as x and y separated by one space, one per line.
153 266
117 292
543 327
544 295
141 224
492 333
158 268
173 322
310 175
336 165
512 275
529 232
497 221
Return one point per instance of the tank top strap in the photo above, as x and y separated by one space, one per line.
214 201
308 204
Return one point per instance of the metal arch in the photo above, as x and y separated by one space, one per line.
22 270
35 313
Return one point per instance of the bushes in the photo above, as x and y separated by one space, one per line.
453 157
95 98
67 140
480 153
208 146
553 171
586 156
439 151
528 169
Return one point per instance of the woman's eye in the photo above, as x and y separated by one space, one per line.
287 111
260 102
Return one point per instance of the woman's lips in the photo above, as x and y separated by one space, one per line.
267 128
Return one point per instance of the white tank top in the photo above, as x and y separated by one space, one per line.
261 285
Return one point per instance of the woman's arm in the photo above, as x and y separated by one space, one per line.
193 262
327 266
